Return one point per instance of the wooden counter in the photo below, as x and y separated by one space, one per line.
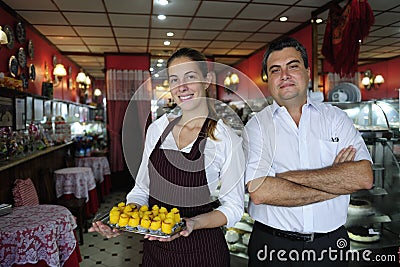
33 166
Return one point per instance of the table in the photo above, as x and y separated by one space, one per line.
78 182
41 235
101 171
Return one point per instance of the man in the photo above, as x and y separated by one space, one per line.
303 161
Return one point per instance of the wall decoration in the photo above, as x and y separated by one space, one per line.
10 36
20 118
13 66
31 49
24 79
22 57
32 72
20 32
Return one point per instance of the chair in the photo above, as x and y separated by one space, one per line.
77 206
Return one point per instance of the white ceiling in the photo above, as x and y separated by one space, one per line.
227 30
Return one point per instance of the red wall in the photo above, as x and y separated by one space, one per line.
390 72
127 61
44 52
251 68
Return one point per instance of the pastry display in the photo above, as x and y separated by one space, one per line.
157 221
359 206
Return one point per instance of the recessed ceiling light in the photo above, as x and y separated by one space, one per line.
283 18
170 34
156 75
163 2
318 20
151 69
160 60
161 17
159 65
167 42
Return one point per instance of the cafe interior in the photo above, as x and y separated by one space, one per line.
70 70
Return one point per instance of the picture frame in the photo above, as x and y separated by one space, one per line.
6 112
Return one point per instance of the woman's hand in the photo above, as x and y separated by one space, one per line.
104 229
346 154
189 228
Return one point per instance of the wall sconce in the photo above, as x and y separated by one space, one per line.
59 72
231 82
3 37
370 80
81 78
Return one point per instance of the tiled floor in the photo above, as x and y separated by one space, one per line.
121 251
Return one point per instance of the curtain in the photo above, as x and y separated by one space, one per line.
126 87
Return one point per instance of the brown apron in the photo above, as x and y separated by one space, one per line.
179 180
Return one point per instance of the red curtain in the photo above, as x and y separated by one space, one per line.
345 28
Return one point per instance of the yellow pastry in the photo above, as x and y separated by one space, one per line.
166 226
155 210
114 215
127 209
163 210
175 211
134 220
155 223
149 214
145 222
144 208
162 216
170 215
123 220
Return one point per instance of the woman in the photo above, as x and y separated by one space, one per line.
184 160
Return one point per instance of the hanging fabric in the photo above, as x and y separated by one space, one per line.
126 87
345 29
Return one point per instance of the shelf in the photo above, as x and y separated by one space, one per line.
362 220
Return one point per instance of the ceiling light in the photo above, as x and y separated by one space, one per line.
161 17
170 34
159 65
163 2
151 69
160 60
167 42
283 18
318 20
156 75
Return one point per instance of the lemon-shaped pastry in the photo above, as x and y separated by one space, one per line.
155 210
127 209
123 220
155 223
145 222
114 215
166 226
175 211
144 208
170 215
134 220
149 214
162 216
163 210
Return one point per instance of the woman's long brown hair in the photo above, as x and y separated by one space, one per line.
197 56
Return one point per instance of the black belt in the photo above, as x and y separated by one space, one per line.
291 235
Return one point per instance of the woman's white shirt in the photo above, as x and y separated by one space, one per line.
224 165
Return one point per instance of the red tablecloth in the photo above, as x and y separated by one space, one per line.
41 235
78 182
